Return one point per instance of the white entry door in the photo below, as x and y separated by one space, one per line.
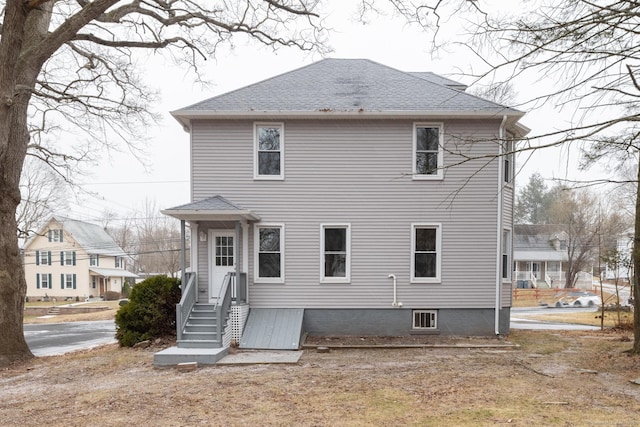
223 260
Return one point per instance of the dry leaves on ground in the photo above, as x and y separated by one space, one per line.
551 378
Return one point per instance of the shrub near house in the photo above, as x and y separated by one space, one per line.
151 311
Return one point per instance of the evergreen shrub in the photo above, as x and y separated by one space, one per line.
151 311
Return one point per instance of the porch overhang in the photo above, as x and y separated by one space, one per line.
215 208
540 256
112 272
207 215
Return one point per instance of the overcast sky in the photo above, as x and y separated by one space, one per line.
121 184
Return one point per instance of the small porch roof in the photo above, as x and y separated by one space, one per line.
540 255
215 208
112 272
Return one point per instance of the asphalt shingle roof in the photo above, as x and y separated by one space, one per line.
91 237
348 86
215 203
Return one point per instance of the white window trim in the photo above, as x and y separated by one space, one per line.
347 278
256 251
67 258
439 173
509 157
508 279
256 175
68 281
438 277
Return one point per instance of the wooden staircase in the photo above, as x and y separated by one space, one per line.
201 328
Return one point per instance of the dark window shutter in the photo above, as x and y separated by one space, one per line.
49 253
37 257
61 258
97 260
61 234
62 281
74 281
49 235
37 281
50 279
74 257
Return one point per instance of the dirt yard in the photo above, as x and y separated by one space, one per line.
548 378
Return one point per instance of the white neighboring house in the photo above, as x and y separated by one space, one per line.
68 258
624 245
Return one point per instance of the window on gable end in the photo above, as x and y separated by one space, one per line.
428 157
269 151
55 235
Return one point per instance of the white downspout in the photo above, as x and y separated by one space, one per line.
499 227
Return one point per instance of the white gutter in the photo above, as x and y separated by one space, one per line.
499 227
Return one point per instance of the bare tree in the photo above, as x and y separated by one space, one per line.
43 193
73 64
582 57
158 243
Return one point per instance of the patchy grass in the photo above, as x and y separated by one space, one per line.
566 315
108 314
552 378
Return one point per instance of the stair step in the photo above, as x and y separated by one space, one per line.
187 343
202 321
200 328
199 336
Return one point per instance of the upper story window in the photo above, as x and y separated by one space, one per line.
270 253
269 151
335 242
508 161
426 252
94 260
119 262
428 155
68 258
55 235
43 258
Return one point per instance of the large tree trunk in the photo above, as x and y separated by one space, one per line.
23 30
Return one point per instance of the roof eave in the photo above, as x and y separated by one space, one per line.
185 116
211 215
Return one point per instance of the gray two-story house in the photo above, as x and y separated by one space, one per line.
347 197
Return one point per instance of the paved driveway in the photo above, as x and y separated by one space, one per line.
49 339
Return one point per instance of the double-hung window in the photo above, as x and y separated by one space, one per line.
508 161
335 253
428 155
269 257
68 281
43 281
269 151
55 235
68 258
426 253
506 254
43 257
94 260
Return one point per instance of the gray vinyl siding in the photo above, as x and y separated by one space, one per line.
359 173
